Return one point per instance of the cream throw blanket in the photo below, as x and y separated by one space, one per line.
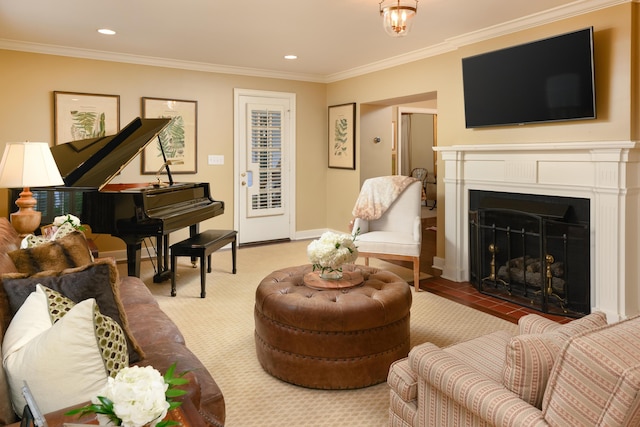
377 194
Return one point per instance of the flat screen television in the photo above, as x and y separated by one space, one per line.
542 81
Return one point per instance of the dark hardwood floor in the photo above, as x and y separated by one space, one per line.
464 292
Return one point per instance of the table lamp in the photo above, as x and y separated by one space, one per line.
27 164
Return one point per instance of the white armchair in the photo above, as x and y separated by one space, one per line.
397 234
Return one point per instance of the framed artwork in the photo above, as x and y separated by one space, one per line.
178 140
84 115
342 132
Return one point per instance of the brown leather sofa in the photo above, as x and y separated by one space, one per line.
159 338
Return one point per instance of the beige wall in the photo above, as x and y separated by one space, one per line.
375 158
325 196
26 113
616 56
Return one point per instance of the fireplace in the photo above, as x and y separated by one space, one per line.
607 174
532 250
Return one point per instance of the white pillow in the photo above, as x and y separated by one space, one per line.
29 321
65 363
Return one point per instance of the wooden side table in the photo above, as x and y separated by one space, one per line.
186 414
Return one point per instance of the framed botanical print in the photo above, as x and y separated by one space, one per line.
178 140
342 131
84 115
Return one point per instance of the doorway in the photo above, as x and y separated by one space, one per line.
264 146
380 156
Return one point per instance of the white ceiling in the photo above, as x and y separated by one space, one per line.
333 39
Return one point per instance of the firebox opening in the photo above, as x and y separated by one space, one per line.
532 250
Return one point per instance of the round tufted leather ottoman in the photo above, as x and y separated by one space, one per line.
331 339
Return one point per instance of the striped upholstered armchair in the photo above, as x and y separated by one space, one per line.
584 373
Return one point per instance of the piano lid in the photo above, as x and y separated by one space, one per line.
95 162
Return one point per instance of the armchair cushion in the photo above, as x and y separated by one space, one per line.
388 242
596 380
589 322
530 356
485 354
529 359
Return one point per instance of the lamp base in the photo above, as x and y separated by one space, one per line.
27 219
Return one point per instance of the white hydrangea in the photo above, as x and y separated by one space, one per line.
138 396
331 251
72 219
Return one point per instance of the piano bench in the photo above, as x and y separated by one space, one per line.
201 245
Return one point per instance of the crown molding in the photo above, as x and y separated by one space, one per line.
153 61
559 13
579 7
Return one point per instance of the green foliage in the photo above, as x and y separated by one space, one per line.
341 137
172 138
87 124
105 407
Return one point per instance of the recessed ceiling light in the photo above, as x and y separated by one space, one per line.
106 31
290 57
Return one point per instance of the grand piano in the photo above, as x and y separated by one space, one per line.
131 212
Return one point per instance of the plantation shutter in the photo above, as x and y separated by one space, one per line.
264 178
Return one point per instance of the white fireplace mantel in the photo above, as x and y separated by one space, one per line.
606 173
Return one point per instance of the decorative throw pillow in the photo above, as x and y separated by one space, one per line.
31 320
63 230
65 363
530 357
69 251
584 324
528 365
31 241
99 280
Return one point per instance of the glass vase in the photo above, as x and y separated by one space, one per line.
331 274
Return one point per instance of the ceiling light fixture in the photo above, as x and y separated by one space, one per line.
106 31
290 57
397 16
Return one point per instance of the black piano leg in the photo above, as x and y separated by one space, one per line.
194 229
163 273
133 259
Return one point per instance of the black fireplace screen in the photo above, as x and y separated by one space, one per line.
531 252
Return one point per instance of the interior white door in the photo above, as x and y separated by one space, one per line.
264 204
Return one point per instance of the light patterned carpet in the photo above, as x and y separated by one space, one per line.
219 330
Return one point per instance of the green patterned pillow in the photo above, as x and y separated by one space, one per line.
57 303
31 240
111 342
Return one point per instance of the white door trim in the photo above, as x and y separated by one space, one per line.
291 152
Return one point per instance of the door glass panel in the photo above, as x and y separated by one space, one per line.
266 160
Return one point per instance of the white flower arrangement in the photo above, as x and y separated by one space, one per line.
71 219
136 397
331 251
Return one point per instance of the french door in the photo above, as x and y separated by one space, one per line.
264 125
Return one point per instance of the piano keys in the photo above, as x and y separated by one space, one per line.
133 212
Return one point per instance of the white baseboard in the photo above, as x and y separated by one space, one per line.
309 234
438 263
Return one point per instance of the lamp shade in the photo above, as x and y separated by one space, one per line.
28 164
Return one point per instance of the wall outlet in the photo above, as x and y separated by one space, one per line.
215 159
